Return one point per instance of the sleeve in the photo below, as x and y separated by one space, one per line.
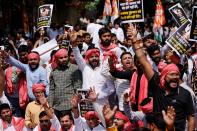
16 63
79 123
122 74
133 115
27 116
79 59
105 70
3 99
189 108
55 123
51 90
153 84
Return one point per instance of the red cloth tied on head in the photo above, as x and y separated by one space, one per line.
90 52
127 125
120 115
33 55
168 68
40 86
61 53
91 114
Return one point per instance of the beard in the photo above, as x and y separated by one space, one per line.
34 67
173 84
106 42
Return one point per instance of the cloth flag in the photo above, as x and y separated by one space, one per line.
159 21
107 8
115 13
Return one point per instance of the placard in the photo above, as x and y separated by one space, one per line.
178 14
131 11
178 41
193 32
84 106
44 16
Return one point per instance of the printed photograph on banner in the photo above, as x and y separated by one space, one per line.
193 32
131 11
84 106
44 15
178 14
178 41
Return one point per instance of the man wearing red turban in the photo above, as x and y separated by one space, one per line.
34 108
165 89
64 80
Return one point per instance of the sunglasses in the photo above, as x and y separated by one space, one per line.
44 121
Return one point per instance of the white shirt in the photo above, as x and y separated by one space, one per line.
119 33
54 123
3 99
10 126
81 125
93 77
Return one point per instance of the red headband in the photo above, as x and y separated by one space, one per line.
121 116
61 53
33 55
90 52
38 87
168 68
91 114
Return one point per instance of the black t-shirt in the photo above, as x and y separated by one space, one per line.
179 98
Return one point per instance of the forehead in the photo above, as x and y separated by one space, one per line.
66 117
106 34
44 118
5 110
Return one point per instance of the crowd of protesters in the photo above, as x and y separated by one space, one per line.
134 82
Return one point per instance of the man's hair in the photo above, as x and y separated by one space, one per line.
86 34
125 53
103 30
4 106
42 114
23 48
151 49
66 113
157 119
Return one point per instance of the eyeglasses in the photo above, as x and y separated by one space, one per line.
44 121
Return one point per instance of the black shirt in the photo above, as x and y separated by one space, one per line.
179 98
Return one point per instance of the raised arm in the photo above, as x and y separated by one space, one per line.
138 47
13 61
78 57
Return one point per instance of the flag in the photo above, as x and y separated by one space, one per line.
159 21
107 8
114 11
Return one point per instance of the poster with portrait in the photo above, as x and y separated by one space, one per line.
178 14
84 106
193 32
131 11
178 41
44 15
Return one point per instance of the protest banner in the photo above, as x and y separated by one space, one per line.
131 11
193 32
178 41
44 16
45 50
84 106
178 14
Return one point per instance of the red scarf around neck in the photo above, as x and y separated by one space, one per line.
143 92
18 123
